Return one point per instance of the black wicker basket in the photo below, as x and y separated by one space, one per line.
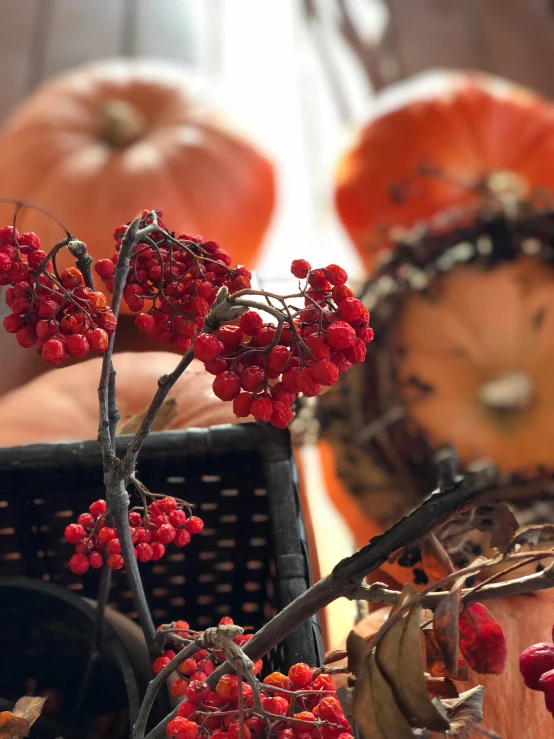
250 560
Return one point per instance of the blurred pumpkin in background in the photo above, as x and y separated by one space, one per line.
437 141
97 145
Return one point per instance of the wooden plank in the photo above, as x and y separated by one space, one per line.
431 33
517 39
16 50
165 29
81 31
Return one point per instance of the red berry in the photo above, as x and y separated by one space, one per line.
77 345
216 366
300 268
305 716
95 560
53 351
178 688
307 384
300 675
534 661
177 518
158 550
282 415
227 688
115 561
340 293
98 339
325 372
143 552
318 347
12 323
340 335
26 337
318 280
188 666
113 546
250 323
233 732
265 335
98 508
182 537
160 663
79 564
261 409
353 310
226 621
276 704
197 691
167 504
335 274
278 680
74 532
207 347
252 379
366 334
278 392
226 386
86 520
105 268
278 357
144 322
47 308
135 519
340 360
186 709
195 525
330 709
230 337
323 682
71 277
242 404
181 728
183 327
166 533
5 263
356 353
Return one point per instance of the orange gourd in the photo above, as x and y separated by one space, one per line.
477 133
61 405
97 145
509 708
483 348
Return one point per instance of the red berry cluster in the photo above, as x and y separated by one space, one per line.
261 367
172 280
57 315
536 664
300 705
165 521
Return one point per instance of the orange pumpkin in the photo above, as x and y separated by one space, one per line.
97 145
509 708
61 405
472 128
483 347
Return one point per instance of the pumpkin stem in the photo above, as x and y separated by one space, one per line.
512 391
121 124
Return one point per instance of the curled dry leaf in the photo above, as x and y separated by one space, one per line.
435 559
357 651
376 712
399 659
482 641
504 526
435 660
445 626
441 687
532 535
465 712
16 724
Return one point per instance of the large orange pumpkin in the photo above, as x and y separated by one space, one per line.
472 128
97 145
509 708
62 404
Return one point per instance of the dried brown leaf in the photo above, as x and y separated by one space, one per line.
435 559
376 712
166 414
465 712
17 723
441 687
399 658
504 526
445 626
532 535
435 660
357 652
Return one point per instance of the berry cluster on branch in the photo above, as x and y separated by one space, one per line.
300 705
56 314
163 521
